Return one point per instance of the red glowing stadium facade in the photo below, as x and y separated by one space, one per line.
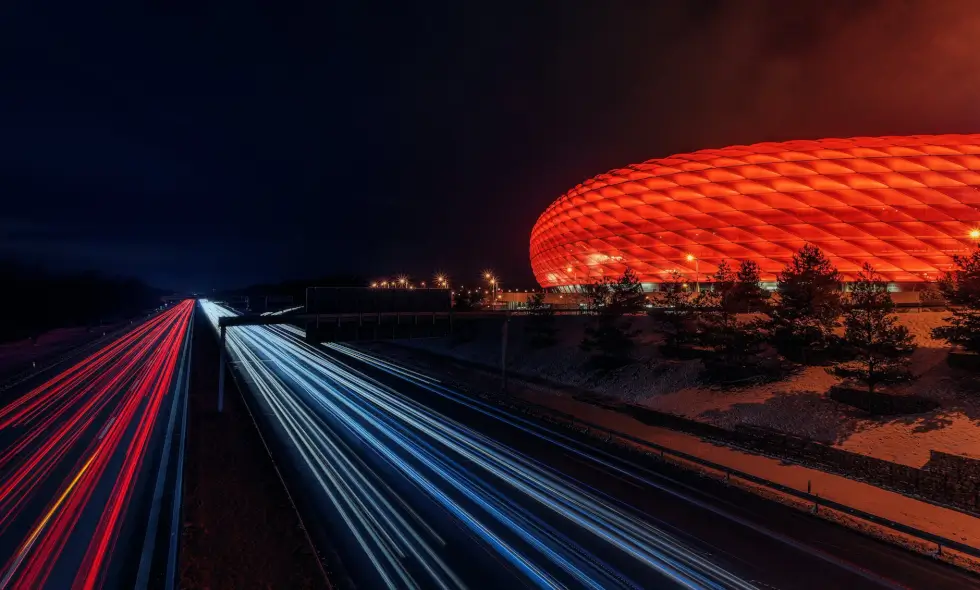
904 204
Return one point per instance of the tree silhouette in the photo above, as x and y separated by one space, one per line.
610 339
540 322
38 300
733 344
801 324
881 346
596 295
962 287
674 308
626 294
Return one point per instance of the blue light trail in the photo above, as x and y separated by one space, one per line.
351 434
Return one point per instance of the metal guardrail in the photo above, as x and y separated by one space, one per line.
148 573
940 541
177 504
266 320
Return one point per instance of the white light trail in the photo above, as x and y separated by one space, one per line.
324 408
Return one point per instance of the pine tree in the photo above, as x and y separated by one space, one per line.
596 295
881 346
540 322
802 323
610 339
626 294
748 296
961 287
734 344
674 310
930 295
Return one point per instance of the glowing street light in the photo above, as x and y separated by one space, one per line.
697 271
494 283
374 285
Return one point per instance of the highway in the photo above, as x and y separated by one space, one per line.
416 485
85 464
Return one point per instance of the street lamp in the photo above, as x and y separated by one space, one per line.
697 272
492 280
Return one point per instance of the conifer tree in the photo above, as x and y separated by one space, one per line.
961 287
801 324
733 343
871 331
540 322
610 339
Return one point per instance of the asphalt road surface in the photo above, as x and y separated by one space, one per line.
80 458
414 484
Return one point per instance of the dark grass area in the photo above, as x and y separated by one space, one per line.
240 528
20 361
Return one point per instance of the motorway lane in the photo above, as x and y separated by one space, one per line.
78 458
410 500
409 484
766 542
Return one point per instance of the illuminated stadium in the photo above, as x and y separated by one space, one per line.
904 204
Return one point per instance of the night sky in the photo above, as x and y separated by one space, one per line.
198 145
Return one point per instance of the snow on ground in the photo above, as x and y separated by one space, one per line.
878 501
796 405
891 505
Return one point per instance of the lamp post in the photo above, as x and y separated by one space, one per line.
492 280
697 272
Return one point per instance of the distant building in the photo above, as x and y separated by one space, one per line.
904 204
516 301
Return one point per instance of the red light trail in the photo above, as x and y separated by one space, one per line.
74 449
